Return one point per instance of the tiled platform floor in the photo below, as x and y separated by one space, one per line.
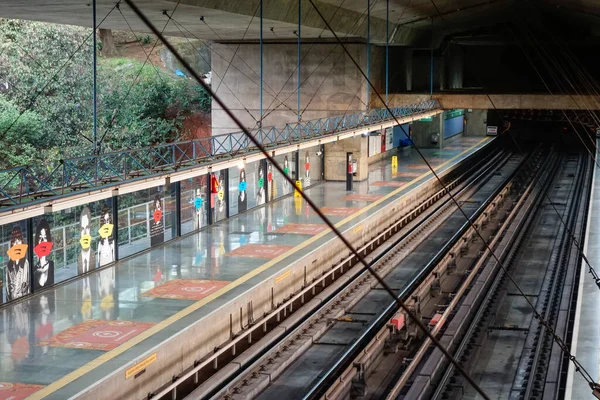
51 343
586 333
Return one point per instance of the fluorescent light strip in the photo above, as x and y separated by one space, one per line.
74 201
20 215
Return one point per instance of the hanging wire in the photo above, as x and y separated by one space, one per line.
63 65
116 110
222 80
142 47
357 24
538 47
270 90
239 45
557 339
25 95
316 209
591 269
293 73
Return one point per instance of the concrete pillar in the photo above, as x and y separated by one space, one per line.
335 158
476 122
408 65
331 84
440 123
455 64
422 131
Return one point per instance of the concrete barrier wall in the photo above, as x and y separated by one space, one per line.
201 338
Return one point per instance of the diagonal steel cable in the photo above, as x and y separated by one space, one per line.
308 199
557 339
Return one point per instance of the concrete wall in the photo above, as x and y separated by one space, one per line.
335 158
331 84
476 122
422 131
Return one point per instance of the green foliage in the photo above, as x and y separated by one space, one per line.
138 104
18 148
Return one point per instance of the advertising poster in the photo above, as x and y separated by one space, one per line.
106 244
198 209
17 280
306 180
157 227
286 170
221 206
242 194
86 260
43 270
271 184
260 184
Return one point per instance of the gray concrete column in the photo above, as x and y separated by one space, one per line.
335 158
422 132
331 84
476 122
408 68
455 64
440 123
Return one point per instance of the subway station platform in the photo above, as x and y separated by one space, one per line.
586 328
61 342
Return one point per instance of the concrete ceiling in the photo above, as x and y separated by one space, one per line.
234 20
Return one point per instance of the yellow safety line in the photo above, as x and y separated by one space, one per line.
78 373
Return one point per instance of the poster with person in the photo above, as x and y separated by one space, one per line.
271 184
306 180
221 206
43 270
198 209
157 227
86 260
106 244
242 194
286 172
17 279
260 184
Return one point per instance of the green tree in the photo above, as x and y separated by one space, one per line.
48 69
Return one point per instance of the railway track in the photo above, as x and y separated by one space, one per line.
212 372
493 331
351 312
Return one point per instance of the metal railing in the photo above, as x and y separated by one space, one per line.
30 184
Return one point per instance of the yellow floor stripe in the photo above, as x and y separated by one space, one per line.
78 373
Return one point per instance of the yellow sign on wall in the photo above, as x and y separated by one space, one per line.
297 193
139 367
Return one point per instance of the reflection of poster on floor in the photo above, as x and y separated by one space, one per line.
18 332
44 308
157 228
17 269
106 244
106 288
86 260
306 182
242 194
43 270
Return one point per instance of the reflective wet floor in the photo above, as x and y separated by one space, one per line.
50 344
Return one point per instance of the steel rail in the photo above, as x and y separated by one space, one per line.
319 389
346 262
